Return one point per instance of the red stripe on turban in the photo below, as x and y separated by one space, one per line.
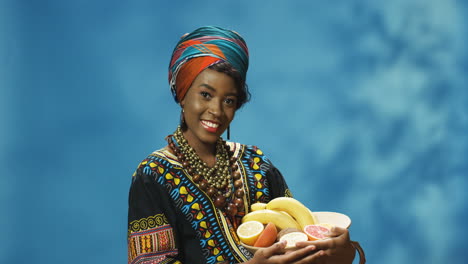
189 71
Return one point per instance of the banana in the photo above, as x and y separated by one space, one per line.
265 216
257 206
296 209
283 212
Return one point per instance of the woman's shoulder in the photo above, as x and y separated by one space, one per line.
157 159
245 151
163 153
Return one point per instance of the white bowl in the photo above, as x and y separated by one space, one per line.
333 218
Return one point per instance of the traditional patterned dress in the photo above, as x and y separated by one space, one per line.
171 220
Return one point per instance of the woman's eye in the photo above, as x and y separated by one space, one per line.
230 101
205 94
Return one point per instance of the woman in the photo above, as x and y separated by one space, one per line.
187 199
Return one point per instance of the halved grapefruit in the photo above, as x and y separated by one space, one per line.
316 232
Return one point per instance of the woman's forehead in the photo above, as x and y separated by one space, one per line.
215 81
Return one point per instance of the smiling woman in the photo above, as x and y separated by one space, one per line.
208 109
188 198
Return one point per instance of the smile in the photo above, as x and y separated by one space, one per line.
210 126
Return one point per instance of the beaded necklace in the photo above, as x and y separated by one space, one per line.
219 182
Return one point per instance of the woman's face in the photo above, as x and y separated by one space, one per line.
209 107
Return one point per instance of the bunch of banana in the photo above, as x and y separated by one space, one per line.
265 216
284 212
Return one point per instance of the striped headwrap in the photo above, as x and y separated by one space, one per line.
204 47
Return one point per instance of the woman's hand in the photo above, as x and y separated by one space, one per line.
334 250
277 254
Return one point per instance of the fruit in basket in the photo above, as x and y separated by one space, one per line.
293 221
265 216
257 206
286 231
316 232
292 238
268 236
249 231
327 225
293 207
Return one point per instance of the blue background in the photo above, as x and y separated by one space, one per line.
361 104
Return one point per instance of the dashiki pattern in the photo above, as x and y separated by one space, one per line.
170 205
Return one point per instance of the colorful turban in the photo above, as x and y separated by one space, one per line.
202 48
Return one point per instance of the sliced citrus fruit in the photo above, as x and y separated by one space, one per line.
316 232
292 238
326 225
249 231
286 231
267 237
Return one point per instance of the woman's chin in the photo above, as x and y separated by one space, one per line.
202 135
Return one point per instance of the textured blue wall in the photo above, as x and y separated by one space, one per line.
361 104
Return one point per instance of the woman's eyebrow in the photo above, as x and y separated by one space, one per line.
211 88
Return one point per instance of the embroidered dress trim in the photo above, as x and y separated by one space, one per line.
149 222
152 244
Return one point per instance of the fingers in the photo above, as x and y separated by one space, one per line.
335 249
278 254
338 236
317 252
299 255
315 258
339 231
275 249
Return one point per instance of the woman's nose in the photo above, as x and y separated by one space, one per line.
215 108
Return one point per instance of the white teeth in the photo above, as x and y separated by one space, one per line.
213 125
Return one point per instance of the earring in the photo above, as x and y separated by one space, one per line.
183 125
229 132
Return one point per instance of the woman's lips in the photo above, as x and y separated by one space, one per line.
210 126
